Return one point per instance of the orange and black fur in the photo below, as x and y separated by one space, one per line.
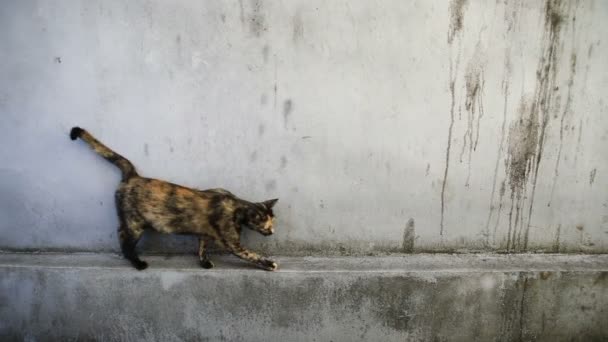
213 215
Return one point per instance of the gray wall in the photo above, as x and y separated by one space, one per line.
480 123
541 298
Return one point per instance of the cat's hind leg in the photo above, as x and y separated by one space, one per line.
202 254
129 234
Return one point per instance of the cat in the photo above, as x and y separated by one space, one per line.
213 215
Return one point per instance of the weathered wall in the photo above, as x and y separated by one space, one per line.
390 126
412 298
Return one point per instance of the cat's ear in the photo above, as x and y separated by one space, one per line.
270 203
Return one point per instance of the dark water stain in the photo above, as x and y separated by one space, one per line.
522 306
283 162
428 169
460 111
522 146
456 22
521 159
409 237
265 53
146 150
511 14
257 19
253 156
512 19
510 315
261 129
556 243
502 188
270 185
556 21
298 27
456 18
528 133
566 113
223 17
474 83
578 139
452 86
501 193
585 240
581 235
474 93
584 89
287 109
171 149
592 176
601 279
178 39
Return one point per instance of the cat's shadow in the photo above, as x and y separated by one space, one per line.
170 245
153 242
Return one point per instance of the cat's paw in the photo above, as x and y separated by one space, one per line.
140 265
206 264
268 265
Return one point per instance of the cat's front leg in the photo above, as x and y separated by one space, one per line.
267 264
245 254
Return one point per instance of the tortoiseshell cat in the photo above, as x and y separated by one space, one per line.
214 214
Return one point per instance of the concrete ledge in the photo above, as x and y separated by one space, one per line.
46 297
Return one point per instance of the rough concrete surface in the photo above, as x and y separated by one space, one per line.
390 126
384 127
48 297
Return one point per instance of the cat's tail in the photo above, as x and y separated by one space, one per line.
128 170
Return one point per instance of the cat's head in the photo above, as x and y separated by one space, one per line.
260 217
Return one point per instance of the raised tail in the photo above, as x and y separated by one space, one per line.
125 166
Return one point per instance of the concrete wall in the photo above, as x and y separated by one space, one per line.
381 126
412 298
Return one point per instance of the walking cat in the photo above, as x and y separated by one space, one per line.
215 214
